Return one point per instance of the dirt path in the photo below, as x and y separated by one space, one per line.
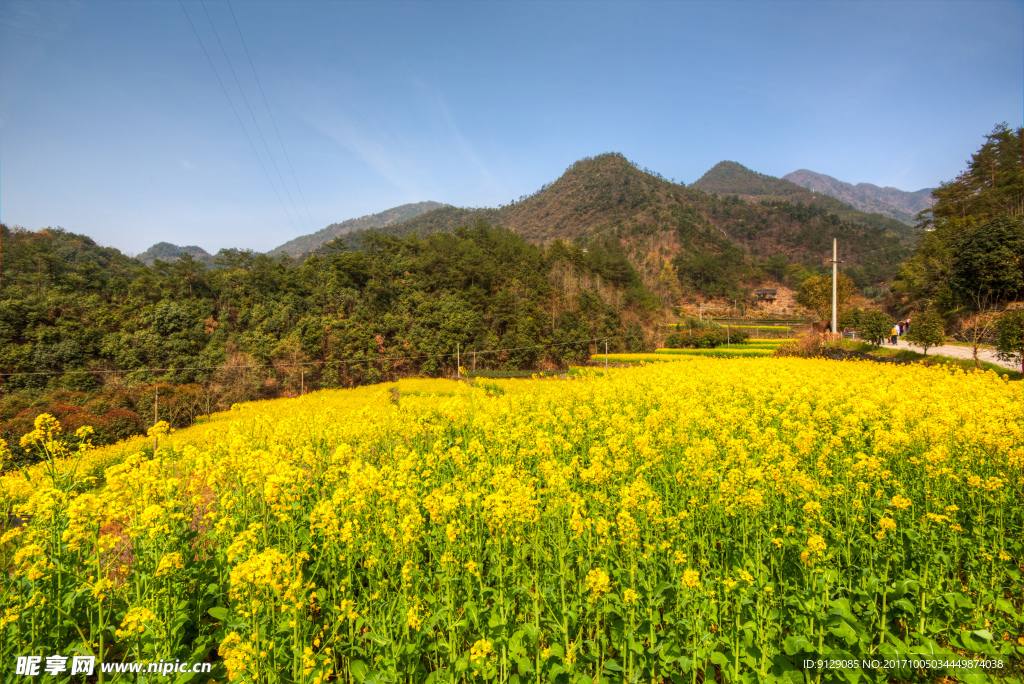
956 352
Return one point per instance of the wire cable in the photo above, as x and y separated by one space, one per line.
233 109
252 115
326 361
295 178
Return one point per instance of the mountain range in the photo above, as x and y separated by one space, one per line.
307 243
892 202
732 219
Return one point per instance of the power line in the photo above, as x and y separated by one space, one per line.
320 363
295 178
252 115
233 109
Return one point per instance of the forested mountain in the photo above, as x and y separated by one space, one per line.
892 202
165 251
308 243
760 225
972 258
735 179
82 318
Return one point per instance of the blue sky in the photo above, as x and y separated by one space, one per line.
114 124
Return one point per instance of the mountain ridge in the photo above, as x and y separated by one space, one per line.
307 243
744 217
901 205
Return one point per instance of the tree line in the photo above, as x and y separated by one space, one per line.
80 322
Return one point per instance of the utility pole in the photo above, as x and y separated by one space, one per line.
156 405
835 272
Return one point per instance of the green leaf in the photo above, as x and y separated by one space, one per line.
358 669
905 605
555 671
219 613
841 630
613 666
1006 607
377 639
795 644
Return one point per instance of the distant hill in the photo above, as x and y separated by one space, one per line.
758 217
308 243
165 251
892 202
729 177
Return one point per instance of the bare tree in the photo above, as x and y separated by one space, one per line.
976 329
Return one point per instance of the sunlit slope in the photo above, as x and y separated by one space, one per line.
734 516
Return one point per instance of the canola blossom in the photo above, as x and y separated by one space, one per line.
697 520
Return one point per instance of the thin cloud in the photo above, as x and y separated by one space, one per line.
375 148
462 144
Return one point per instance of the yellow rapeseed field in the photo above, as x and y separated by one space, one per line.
702 520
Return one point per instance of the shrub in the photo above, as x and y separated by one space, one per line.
705 339
927 330
1010 336
121 424
809 346
875 326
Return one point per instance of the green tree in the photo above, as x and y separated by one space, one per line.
875 326
816 294
1010 336
992 185
927 330
989 258
979 211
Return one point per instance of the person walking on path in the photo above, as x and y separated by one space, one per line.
895 335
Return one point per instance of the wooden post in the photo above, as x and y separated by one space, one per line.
728 345
458 371
606 357
474 362
302 383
